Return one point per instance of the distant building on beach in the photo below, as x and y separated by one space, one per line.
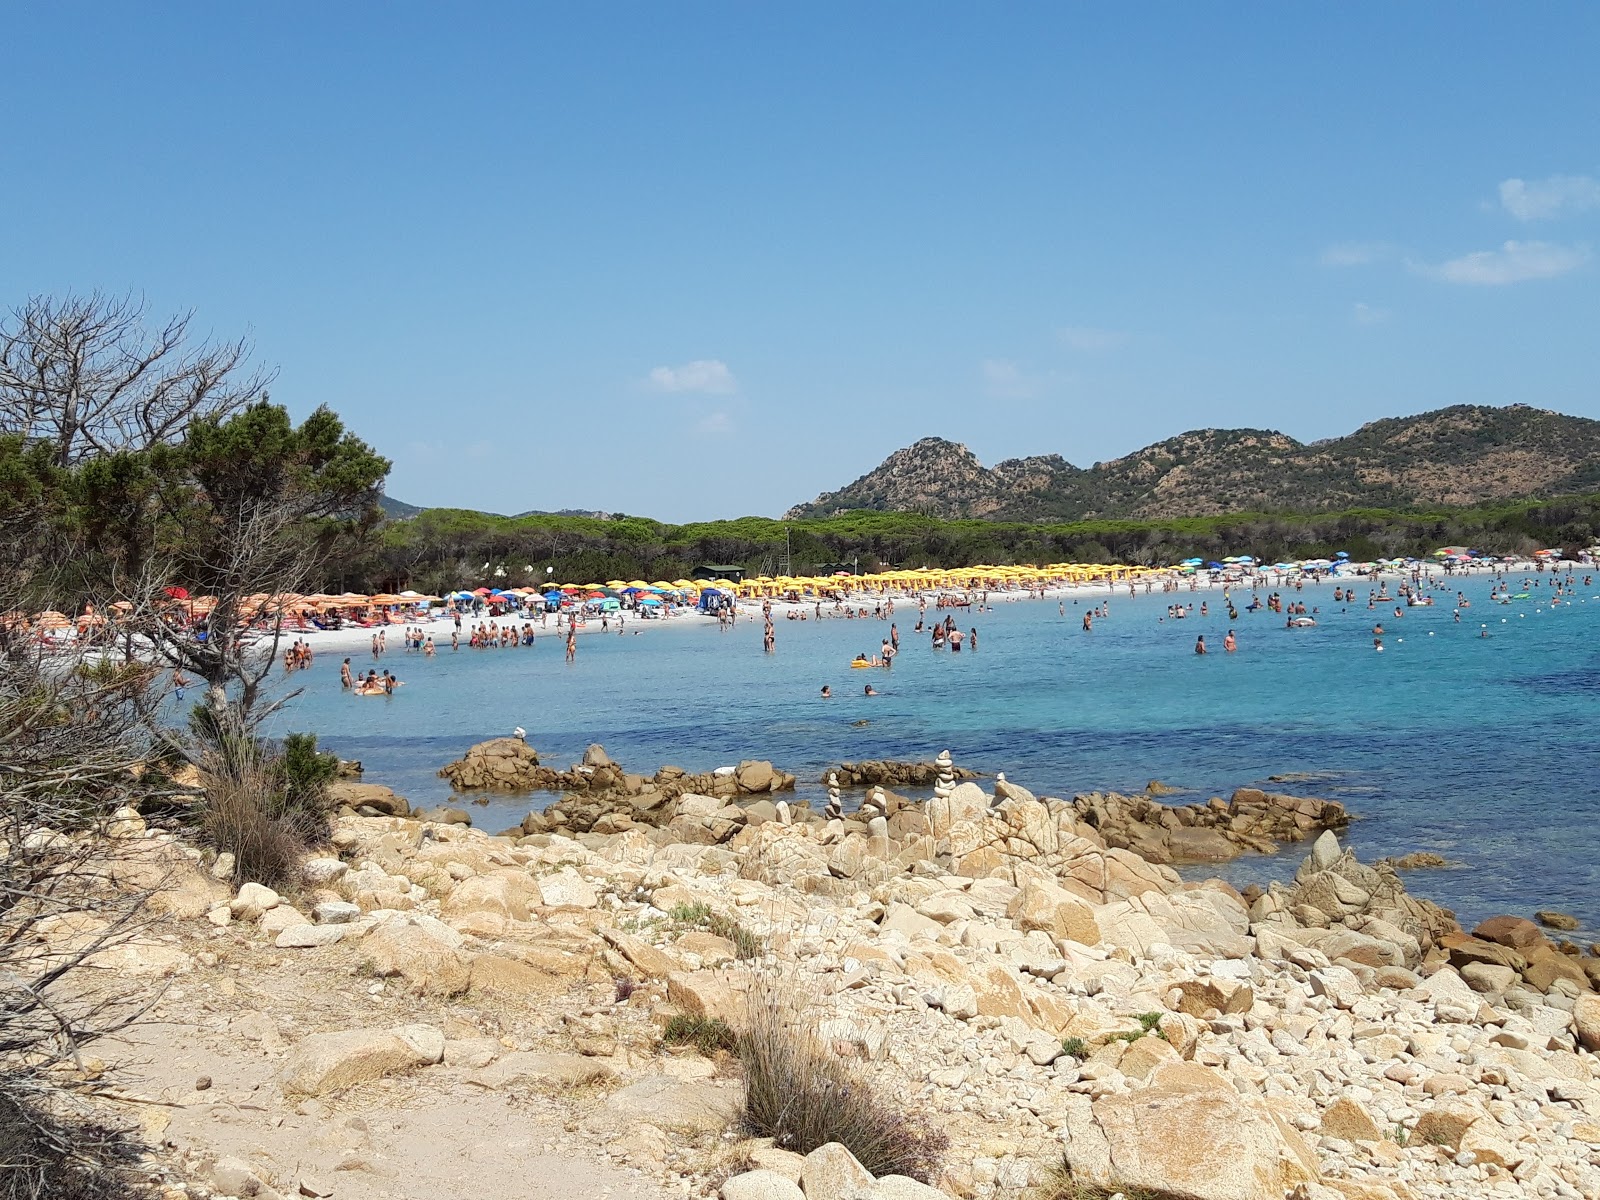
722 571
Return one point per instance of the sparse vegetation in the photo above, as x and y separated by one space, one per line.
706 1034
1076 1047
265 805
1059 1184
801 1095
746 943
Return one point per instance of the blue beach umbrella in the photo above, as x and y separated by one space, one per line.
1215 566
1192 562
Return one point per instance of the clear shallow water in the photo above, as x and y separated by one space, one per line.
1484 750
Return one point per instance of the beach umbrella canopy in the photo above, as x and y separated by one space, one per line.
649 600
1214 566
1193 562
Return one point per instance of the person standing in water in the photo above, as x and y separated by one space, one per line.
1230 643
1200 644
572 643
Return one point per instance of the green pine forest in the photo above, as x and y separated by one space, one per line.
444 548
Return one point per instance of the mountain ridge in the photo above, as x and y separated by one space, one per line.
1462 454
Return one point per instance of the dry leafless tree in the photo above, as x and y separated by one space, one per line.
89 376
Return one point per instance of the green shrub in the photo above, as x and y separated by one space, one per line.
1075 1046
706 1034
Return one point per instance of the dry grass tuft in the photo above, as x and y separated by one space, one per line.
1059 1184
801 1095
245 816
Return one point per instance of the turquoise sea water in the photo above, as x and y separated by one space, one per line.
1483 749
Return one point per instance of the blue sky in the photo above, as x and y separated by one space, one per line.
575 256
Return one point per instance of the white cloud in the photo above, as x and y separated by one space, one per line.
708 375
1355 254
1540 199
1366 314
1513 262
1083 337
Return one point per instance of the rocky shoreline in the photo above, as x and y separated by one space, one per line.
994 961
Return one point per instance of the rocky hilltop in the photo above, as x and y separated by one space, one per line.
1459 455
1024 1008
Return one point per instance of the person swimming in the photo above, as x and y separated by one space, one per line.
870 691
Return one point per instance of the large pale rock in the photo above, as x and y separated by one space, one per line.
280 917
1055 911
1348 1120
754 775
552 1070
709 994
831 1172
566 889
1444 1123
784 1162
966 802
1452 999
1226 996
335 912
1144 1055
903 919
680 1105
307 937
761 1185
1586 1020
252 900
422 951
330 1062
503 893
1190 1134
647 959
903 1187
321 872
